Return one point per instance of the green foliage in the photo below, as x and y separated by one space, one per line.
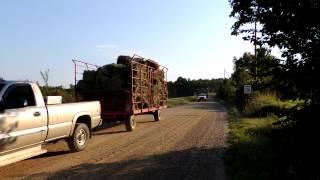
250 155
233 114
292 26
245 74
226 90
259 149
258 72
264 104
296 143
172 102
67 94
185 87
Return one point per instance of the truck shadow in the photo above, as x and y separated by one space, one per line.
50 154
193 163
105 133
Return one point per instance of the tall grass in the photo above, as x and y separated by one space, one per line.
252 153
264 104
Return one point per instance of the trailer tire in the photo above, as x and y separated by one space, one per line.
80 138
131 123
156 115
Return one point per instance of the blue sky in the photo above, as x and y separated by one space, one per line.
192 38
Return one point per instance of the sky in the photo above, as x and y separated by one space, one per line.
190 37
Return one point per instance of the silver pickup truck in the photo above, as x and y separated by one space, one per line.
27 122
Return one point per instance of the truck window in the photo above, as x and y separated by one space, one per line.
18 92
1 86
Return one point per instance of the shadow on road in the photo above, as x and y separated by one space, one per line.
194 163
50 154
211 106
107 125
105 133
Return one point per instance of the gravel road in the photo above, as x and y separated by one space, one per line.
188 143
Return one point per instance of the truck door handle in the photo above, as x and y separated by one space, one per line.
36 114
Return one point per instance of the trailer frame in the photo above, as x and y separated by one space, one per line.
146 85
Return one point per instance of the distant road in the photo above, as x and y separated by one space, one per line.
187 143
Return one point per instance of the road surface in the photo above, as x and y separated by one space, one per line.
188 143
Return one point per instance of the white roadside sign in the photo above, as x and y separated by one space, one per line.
247 89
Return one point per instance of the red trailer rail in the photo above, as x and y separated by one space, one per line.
143 84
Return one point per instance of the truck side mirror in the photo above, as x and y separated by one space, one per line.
21 103
17 103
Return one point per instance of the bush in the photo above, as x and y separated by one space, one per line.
226 91
265 104
67 94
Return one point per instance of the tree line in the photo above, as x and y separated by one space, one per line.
186 87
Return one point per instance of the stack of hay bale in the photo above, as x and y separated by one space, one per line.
135 78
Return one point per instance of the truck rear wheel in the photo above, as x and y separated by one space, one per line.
80 137
131 123
156 115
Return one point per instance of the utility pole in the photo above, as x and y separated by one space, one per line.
255 45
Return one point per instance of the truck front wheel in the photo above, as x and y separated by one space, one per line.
80 137
130 123
156 115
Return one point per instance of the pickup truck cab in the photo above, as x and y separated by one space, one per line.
27 122
202 97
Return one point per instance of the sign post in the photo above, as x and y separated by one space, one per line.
247 90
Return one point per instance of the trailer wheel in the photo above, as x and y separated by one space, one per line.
80 137
131 123
156 115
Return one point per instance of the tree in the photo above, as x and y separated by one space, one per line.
183 87
45 77
293 26
262 79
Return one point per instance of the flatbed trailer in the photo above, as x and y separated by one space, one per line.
144 79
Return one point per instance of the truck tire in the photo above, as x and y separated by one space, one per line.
131 123
156 115
80 138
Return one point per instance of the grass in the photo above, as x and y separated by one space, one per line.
261 105
259 150
172 102
250 155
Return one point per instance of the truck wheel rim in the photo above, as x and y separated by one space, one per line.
133 123
81 137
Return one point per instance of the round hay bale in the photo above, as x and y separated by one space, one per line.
126 60
83 86
152 63
89 76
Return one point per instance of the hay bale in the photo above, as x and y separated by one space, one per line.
152 63
89 76
117 77
113 76
126 60
83 86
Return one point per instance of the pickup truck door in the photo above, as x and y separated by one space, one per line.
22 123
